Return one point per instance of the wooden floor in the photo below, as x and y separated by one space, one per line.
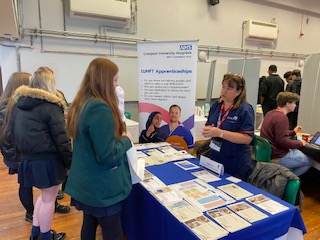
14 227
12 214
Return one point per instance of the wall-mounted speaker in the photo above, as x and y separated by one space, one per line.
213 2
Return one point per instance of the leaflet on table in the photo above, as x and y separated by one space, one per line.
186 165
155 157
212 165
183 210
228 220
182 154
206 176
152 183
166 195
247 212
140 146
205 229
147 174
267 204
136 165
233 179
141 154
167 149
202 195
153 152
154 160
235 191
178 155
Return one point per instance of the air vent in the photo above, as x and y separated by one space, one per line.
260 31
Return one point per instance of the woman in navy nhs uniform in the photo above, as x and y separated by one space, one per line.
231 126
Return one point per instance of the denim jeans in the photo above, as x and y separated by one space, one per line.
297 160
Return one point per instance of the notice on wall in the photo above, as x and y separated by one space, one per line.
167 76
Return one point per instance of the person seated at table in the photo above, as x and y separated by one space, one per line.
153 133
275 129
174 128
231 126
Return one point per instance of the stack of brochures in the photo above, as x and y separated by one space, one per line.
161 154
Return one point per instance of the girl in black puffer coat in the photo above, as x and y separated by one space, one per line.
10 155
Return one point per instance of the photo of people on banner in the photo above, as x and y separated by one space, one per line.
167 83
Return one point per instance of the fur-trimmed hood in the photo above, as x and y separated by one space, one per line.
35 96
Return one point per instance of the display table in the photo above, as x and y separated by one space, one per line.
144 218
133 128
314 154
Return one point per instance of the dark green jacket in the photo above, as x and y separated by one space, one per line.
99 174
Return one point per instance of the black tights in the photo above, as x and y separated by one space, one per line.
26 198
110 225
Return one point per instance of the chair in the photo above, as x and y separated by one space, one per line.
177 142
128 115
291 192
262 149
201 147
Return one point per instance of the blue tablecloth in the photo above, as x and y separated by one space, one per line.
144 218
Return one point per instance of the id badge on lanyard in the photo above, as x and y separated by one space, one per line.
216 143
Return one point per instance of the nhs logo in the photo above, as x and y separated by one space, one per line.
186 47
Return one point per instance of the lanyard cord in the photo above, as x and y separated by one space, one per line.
223 114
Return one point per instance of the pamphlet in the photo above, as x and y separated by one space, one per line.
206 176
154 160
167 149
183 210
141 154
182 154
233 179
235 191
198 194
228 220
267 204
155 157
152 183
147 174
186 165
153 152
205 229
247 212
141 146
166 195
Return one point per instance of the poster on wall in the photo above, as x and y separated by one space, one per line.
167 76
